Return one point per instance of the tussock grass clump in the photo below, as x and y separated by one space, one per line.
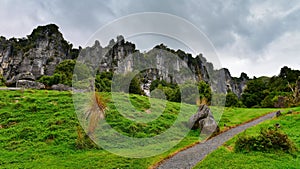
95 112
268 140
83 141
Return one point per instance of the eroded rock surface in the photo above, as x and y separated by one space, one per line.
203 120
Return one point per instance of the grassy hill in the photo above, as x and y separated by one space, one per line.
226 157
40 129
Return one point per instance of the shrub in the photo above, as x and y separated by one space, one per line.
95 111
231 100
268 140
205 91
64 74
135 86
46 80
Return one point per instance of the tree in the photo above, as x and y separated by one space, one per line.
255 92
289 74
204 91
295 91
135 86
65 72
231 100
103 81
189 93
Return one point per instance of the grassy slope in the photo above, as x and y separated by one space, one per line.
39 129
225 157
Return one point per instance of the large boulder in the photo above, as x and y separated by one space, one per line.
203 120
30 84
61 87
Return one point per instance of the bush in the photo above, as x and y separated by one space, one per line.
232 100
46 80
268 140
64 74
129 82
135 86
171 90
205 91
255 92
189 93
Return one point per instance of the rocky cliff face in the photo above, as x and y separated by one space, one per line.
30 58
228 83
23 61
107 58
166 64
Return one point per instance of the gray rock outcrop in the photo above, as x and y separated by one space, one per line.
111 57
203 120
32 57
61 87
38 54
28 84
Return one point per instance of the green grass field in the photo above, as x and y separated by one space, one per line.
225 157
39 129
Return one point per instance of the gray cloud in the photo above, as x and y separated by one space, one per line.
245 33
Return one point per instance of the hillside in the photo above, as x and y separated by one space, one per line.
226 157
39 129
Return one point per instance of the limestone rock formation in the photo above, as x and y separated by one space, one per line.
30 58
225 82
40 52
203 120
61 87
29 84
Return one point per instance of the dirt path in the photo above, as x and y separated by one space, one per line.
190 157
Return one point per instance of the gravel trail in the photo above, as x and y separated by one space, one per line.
188 158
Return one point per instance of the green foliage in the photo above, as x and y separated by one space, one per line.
172 93
2 81
272 98
278 84
269 101
289 74
189 93
232 100
268 140
255 92
156 83
184 92
42 31
54 79
83 141
135 86
204 91
66 67
225 156
264 91
64 73
46 80
103 81
129 83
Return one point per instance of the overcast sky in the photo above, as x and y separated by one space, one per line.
256 37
